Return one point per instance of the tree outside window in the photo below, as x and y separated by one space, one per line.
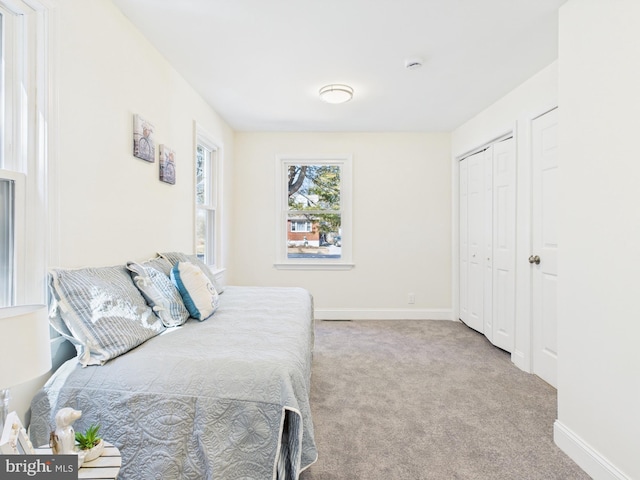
313 207
313 199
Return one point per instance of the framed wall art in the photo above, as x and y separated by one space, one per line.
167 165
143 143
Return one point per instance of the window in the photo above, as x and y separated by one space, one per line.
314 212
207 181
7 210
23 151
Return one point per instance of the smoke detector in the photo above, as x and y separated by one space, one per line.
412 63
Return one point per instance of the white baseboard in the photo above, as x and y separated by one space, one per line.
521 361
383 314
594 464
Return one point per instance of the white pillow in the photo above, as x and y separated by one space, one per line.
198 293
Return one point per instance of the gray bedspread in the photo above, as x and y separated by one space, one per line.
226 399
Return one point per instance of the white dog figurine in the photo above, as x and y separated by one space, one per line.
63 439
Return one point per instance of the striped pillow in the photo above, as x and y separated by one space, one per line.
175 257
161 295
103 310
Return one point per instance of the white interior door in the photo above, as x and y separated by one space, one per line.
488 243
475 215
504 244
545 246
464 241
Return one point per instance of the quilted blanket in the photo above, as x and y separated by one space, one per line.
227 398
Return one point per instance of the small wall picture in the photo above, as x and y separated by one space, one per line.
167 165
143 144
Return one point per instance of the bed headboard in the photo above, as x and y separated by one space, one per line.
61 351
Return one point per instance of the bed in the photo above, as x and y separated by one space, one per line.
226 398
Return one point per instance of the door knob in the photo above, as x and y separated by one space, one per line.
534 259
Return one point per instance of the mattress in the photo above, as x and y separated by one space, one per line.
227 398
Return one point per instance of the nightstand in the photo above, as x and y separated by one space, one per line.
105 467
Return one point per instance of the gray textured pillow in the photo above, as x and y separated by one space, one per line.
103 310
56 322
159 263
161 295
175 257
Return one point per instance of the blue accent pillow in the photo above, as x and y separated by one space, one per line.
198 293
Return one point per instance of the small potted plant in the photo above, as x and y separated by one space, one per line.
90 443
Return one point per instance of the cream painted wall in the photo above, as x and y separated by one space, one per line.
599 231
107 206
402 222
538 92
512 113
111 207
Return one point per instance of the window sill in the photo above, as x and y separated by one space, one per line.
314 266
219 276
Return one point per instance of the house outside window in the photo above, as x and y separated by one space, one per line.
314 212
207 233
300 226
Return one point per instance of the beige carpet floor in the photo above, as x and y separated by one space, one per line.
396 400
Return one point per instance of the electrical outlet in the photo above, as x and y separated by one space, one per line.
412 298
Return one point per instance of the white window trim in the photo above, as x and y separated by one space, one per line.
202 137
28 141
282 209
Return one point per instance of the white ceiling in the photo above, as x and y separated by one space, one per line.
261 63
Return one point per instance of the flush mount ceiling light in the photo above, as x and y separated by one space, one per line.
413 63
336 93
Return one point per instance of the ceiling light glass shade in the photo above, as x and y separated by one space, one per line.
336 93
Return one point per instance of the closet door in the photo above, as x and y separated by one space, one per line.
475 229
464 241
488 243
504 244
